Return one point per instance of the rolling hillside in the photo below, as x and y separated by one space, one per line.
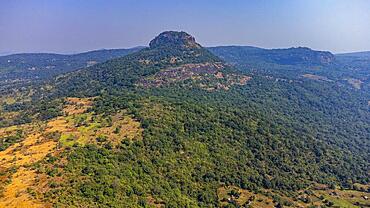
350 70
32 66
174 125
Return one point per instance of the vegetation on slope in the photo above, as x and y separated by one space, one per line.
178 144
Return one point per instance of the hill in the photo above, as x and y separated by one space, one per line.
291 56
351 70
173 125
32 66
362 54
171 59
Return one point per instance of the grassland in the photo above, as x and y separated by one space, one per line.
21 183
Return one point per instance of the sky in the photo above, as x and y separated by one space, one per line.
69 26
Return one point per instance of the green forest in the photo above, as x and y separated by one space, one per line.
201 131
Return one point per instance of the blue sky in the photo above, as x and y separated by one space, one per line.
67 26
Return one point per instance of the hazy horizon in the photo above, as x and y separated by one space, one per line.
77 52
77 26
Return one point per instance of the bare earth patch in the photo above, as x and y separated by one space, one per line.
356 83
316 77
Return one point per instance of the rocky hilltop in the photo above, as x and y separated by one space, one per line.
173 38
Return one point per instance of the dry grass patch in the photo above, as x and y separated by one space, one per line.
19 157
77 105
58 125
16 193
34 148
100 130
8 130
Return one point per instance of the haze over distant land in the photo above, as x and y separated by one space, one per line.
73 26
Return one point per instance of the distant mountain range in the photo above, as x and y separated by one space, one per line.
363 54
345 68
290 56
27 66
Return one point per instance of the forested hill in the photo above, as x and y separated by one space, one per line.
173 125
290 56
351 70
363 54
172 59
31 66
